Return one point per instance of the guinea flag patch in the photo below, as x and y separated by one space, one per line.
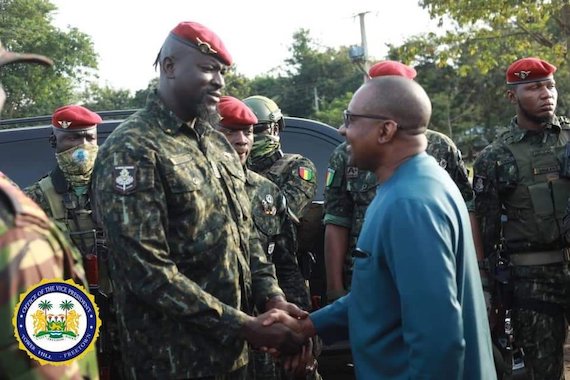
306 173
330 177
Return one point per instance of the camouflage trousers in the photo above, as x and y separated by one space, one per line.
540 317
263 367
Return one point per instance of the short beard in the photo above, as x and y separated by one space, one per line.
533 118
208 115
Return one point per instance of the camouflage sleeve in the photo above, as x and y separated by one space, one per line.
338 204
487 202
37 195
29 254
135 225
301 186
287 268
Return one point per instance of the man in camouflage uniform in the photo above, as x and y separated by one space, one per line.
272 219
294 174
349 191
31 249
65 196
185 260
521 183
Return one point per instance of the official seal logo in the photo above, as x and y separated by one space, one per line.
56 322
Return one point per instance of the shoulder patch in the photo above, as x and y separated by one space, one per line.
125 179
351 172
306 173
330 177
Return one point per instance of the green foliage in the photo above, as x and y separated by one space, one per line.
26 26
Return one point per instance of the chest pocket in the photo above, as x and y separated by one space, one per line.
183 176
266 215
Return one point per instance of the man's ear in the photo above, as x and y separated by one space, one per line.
511 95
167 67
386 131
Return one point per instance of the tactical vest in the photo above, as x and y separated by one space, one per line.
535 207
76 220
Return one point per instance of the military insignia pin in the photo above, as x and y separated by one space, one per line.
64 124
443 163
205 47
479 184
125 179
522 74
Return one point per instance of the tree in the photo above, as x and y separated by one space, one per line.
66 305
26 25
45 306
107 98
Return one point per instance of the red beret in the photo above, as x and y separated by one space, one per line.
203 39
234 113
391 68
7 57
528 70
74 118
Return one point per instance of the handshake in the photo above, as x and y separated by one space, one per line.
285 331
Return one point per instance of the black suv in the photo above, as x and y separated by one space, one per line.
26 156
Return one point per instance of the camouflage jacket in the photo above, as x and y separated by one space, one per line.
349 191
295 175
277 232
496 175
184 257
32 249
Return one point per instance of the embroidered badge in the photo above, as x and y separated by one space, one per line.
523 74
351 172
479 184
271 248
125 179
330 177
56 322
306 173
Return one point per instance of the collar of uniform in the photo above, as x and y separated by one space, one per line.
166 119
248 176
519 133
60 184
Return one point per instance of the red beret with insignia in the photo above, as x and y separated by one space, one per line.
383 68
203 39
528 70
74 118
234 113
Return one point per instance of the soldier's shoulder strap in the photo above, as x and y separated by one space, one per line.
54 199
284 163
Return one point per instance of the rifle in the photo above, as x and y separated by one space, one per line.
509 357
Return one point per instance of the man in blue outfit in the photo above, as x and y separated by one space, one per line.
416 308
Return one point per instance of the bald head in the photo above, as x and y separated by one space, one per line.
399 98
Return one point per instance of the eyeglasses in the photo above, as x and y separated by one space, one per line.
348 116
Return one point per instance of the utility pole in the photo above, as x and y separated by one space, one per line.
364 43
316 97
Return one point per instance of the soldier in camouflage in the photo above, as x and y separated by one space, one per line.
273 221
348 192
31 249
185 260
65 196
522 183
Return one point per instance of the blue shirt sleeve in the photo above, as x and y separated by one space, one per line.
331 322
420 245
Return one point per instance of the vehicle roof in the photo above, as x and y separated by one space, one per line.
26 155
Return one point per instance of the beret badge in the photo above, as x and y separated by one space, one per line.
205 47
64 124
522 74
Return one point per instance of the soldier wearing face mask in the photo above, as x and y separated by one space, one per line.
64 194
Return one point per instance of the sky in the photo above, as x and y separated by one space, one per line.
127 34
